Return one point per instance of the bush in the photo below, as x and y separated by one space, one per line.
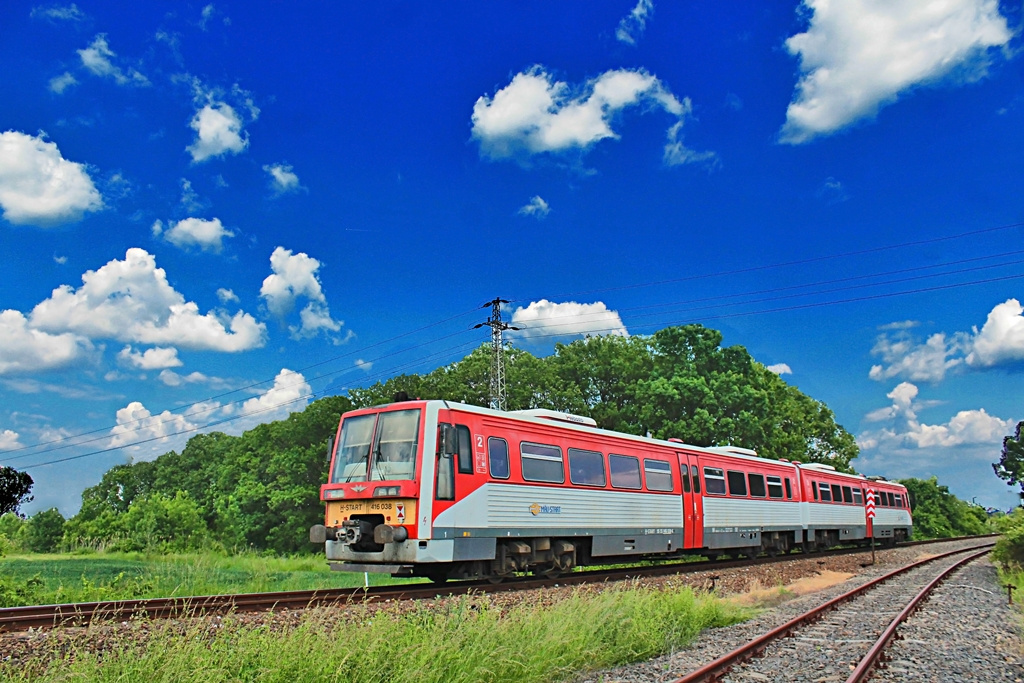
1009 550
43 531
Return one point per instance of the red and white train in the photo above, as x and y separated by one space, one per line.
447 490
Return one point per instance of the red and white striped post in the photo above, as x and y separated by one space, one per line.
869 514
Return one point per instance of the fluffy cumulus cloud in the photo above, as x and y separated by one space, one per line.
294 276
632 26
173 379
131 301
98 59
24 349
536 114
780 369
282 179
537 207
547 319
145 436
291 392
9 440
860 55
207 235
906 430
58 84
38 186
218 130
1001 338
227 296
156 358
999 342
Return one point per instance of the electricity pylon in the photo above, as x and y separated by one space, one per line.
497 325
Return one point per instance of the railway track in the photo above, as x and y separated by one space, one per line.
855 628
14 619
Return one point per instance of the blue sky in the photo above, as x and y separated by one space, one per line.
213 213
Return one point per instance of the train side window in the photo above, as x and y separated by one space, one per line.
586 468
899 500
837 493
814 489
685 472
892 499
625 471
658 474
789 490
444 487
714 480
857 498
737 483
774 487
756 485
696 478
826 494
497 456
542 463
465 450
847 494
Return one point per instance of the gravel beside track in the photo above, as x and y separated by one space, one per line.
983 633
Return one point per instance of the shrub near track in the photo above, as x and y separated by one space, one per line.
460 640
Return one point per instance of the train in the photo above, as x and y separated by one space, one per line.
445 490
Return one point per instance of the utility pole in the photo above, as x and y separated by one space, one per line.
497 325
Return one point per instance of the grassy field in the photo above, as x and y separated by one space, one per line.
462 640
46 579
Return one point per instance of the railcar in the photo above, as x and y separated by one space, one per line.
447 490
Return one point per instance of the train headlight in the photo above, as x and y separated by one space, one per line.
332 494
387 491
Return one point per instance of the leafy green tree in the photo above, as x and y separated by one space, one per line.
1009 550
1011 464
15 487
160 522
938 513
44 531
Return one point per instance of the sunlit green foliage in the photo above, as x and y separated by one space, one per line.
940 514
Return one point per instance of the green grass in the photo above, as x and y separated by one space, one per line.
466 640
45 579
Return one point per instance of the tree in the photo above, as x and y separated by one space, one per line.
14 489
43 531
939 514
1011 464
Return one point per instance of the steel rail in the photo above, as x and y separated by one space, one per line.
80 614
875 655
724 664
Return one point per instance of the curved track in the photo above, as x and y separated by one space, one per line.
766 655
80 614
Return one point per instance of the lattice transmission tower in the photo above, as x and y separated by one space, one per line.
497 325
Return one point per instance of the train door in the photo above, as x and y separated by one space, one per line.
693 504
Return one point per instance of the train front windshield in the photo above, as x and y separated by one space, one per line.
378 447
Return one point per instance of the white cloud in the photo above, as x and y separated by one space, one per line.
283 179
632 25
58 84
294 276
57 13
860 55
289 394
189 197
164 432
131 301
60 260
208 235
1001 339
537 208
226 296
207 13
40 187
218 131
23 349
9 440
967 427
97 59
173 379
780 369
364 364
548 319
902 356
535 114
151 359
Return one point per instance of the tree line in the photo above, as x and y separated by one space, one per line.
260 490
